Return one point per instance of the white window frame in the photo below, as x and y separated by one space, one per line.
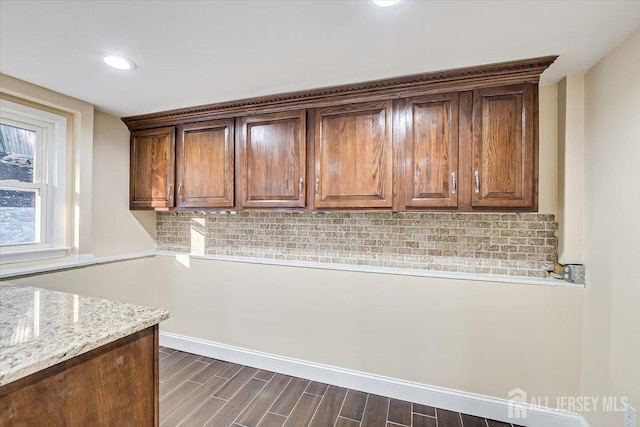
49 178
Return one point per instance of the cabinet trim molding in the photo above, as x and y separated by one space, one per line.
512 72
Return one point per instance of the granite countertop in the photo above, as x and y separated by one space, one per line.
40 328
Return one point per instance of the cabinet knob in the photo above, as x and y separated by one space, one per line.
301 187
477 175
169 192
180 191
317 186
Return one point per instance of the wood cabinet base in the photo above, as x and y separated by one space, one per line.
113 385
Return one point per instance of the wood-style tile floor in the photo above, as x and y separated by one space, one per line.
199 391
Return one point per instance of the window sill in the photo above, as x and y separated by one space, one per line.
32 254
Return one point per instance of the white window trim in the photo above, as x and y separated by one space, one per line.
53 174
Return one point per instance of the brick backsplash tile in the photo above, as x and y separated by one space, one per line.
490 243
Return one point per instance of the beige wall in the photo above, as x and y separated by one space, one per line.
116 230
485 338
611 350
548 149
570 176
126 281
480 337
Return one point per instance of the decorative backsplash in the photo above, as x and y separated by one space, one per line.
491 243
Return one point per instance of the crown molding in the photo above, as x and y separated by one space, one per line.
512 72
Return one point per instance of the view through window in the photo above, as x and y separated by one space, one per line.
19 198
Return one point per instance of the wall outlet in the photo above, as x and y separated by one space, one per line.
630 417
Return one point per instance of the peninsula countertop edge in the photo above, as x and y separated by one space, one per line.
40 328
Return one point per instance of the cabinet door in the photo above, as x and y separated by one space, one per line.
353 157
152 168
272 160
431 151
504 147
204 160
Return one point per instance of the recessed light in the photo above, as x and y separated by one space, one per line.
385 3
119 62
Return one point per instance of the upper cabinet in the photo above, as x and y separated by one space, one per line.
152 168
428 151
205 164
353 156
271 162
504 147
464 140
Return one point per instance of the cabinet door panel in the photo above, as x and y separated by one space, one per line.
152 168
353 156
272 152
503 147
431 151
205 164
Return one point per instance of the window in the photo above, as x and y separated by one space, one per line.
32 193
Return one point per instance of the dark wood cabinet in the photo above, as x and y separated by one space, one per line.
152 168
271 162
464 140
353 156
428 152
504 147
205 165
116 384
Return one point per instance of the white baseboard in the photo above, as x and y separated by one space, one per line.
453 400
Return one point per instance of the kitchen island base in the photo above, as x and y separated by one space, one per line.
113 385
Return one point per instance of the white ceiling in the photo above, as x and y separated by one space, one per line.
198 52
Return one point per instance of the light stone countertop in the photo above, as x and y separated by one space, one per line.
40 328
